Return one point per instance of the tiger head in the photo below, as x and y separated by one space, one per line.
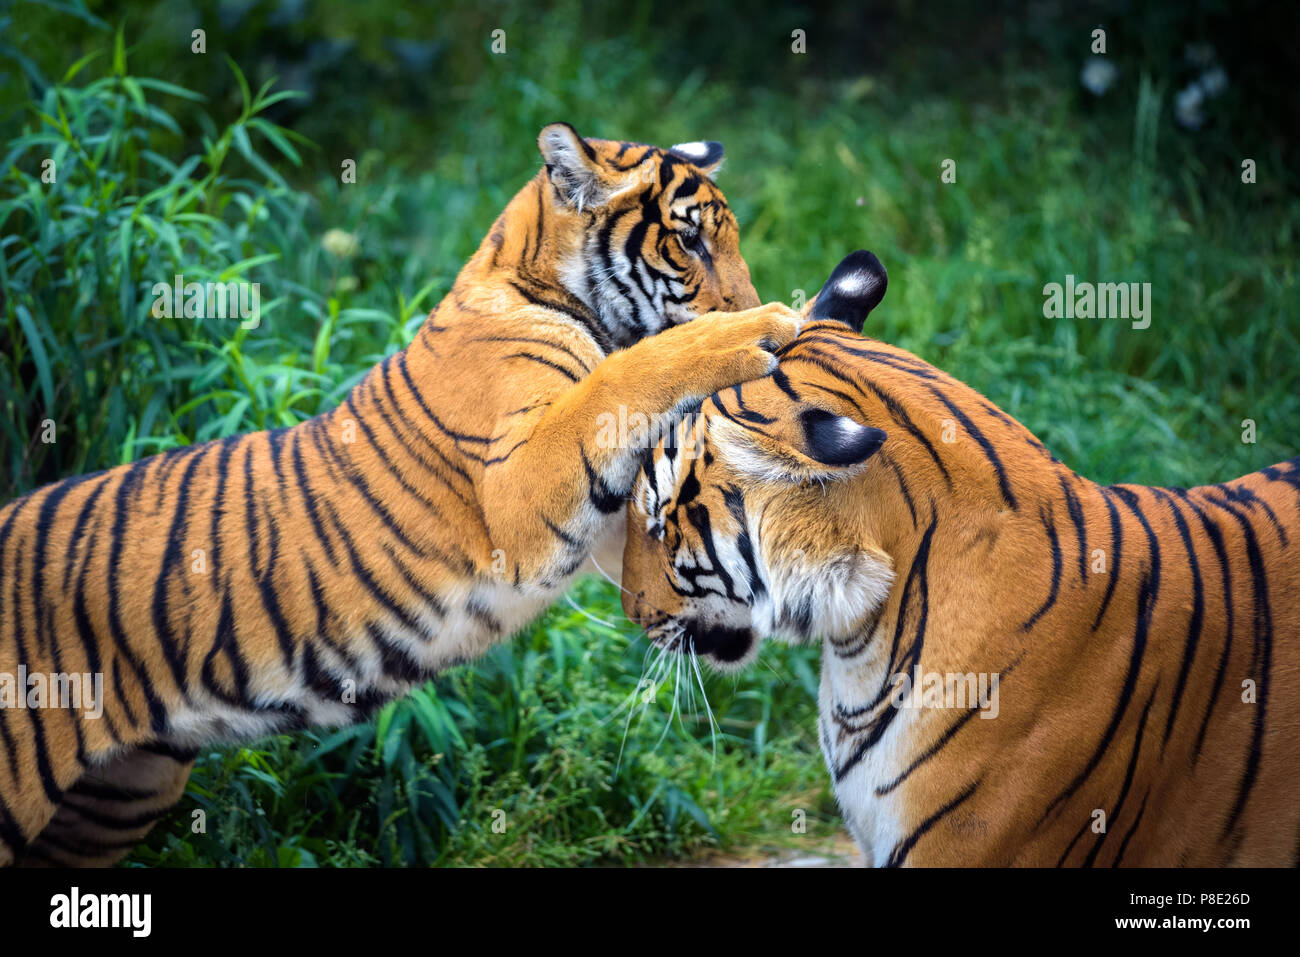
738 523
642 236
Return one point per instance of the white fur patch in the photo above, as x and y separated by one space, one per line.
876 822
696 150
844 590
699 153
856 284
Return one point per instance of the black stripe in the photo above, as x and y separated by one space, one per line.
1080 525
540 227
533 357
53 793
606 499
11 752
534 340
699 518
430 505
85 848
1241 495
917 580
79 528
219 497
1145 604
308 498
384 377
323 616
1083 828
367 579
782 382
45 518
734 499
266 586
129 488
172 560
90 641
1215 534
112 823
1128 836
902 485
562 535
357 480
1128 782
744 412
394 660
483 615
929 752
449 432
990 453
109 791
899 362
1198 612
900 852
226 641
275 443
11 832
47 614
1117 546
1048 524
1261 660
577 311
163 749
428 597
120 688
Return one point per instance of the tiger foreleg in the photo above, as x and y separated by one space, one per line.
653 381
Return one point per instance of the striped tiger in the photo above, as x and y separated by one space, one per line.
304 576
1019 666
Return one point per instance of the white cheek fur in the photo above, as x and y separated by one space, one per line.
841 592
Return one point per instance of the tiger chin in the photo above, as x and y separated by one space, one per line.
306 575
1019 666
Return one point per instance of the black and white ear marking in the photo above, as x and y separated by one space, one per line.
855 288
706 154
571 164
838 440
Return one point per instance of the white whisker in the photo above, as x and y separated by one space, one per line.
638 693
713 724
586 614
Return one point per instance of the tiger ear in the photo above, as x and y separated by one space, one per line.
572 165
838 440
706 155
852 290
817 445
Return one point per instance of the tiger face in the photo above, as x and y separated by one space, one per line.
736 525
647 239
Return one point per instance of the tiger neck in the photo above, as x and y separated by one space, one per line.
520 263
974 578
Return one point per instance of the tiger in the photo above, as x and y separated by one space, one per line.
304 576
1019 666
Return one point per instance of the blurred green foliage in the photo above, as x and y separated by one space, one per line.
170 161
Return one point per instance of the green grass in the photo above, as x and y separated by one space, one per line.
819 164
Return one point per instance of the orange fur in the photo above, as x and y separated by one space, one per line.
1124 621
306 575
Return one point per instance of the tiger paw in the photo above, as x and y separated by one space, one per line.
724 349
